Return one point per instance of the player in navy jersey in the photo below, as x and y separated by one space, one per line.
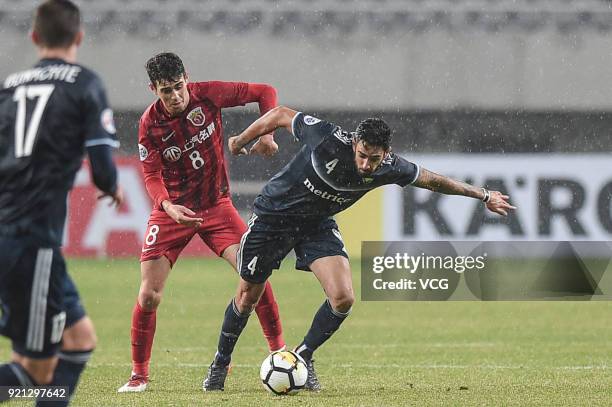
181 149
49 116
331 172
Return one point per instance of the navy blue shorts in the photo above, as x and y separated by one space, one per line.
265 244
38 299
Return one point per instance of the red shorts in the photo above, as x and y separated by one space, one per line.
221 228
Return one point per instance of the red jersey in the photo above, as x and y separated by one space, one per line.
182 157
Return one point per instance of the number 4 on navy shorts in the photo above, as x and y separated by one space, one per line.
264 246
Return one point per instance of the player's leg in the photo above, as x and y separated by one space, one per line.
236 315
154 274
234 320
324 254
78 343
224 236
334 274
262 249
31 299
163 242
266 309
27 371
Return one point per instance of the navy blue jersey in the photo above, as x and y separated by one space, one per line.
322 179
49 114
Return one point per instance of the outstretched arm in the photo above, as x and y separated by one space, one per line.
276 118
495 200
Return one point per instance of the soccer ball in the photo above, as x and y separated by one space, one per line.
283 372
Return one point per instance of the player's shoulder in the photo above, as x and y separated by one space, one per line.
154 115
310 120
396 164
149 115
87 83
199 90
394 161
399 170
87 75
391 159
304 123
345 137
87 79
204 89
205 92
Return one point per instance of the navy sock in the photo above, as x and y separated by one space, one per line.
326 321
12 374
233 324
67 373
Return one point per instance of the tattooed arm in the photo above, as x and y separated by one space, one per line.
495 200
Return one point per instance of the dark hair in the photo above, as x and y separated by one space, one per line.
166 66
57 23
374 132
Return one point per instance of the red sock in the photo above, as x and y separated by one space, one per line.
143 331
267 312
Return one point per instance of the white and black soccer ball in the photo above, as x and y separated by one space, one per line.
283 372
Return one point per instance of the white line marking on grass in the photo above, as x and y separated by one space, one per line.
462 345
358 346
378 366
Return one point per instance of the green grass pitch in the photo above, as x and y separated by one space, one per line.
385 354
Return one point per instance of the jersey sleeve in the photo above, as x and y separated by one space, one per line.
151 165
406 172
310 130
103 169
229 94
99 122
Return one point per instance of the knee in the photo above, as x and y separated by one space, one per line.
149 299
247 297
88 339
245 303
342 301
80 336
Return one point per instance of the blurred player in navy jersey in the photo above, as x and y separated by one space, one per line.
49 116
331 172
181 149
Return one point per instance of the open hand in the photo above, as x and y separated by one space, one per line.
182 215
116 198
498 203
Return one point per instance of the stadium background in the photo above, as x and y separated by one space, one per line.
451 77
514 93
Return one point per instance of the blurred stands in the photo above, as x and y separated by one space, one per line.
330 17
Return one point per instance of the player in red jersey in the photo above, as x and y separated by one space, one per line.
181 149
